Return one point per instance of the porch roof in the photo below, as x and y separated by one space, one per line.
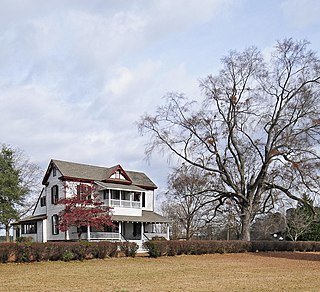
106 186
147 217
30 219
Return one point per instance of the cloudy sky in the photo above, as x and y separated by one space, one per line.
76 75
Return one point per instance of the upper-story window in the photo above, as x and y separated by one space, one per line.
117 175
143 203
43 201
106 194
136 196
54 171
54 194
84 191
115 194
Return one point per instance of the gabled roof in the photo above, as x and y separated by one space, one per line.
72 170
30 219
117 168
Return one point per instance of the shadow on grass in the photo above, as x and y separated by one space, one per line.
299 256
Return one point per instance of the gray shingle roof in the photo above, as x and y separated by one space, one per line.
147 216
97 173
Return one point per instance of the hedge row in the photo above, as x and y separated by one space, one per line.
157 248
65 251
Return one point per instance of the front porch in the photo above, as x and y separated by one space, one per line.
138 232
132 228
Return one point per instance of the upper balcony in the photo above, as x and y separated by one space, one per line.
124 198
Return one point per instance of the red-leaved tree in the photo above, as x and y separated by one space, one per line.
84 209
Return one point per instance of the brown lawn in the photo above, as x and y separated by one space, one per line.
227 272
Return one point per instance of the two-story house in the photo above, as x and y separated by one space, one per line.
130 195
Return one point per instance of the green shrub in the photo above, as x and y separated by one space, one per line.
129 248
68 255
156 248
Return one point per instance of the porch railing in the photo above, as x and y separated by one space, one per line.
104 236
150 235
124 203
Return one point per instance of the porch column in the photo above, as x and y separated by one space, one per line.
168 232
44 230
109 198
142 230
14 234
120 230
88 233
68 235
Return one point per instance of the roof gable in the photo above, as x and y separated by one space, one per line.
117 174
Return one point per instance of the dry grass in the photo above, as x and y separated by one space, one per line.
228 272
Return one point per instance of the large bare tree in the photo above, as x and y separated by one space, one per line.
256 131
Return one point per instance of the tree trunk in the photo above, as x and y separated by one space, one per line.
7 233
245 225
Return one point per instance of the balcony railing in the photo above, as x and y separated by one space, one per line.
124 203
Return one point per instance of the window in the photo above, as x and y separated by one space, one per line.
125 195
54 171
115 194
143 199
55 224
29 228
84 192
42 201
136 197
106 194
117 175
54 194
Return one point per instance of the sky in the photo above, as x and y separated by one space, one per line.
77 75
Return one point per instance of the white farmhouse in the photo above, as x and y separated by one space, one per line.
130 194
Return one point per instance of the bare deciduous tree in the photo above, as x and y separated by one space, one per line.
256 132
189 202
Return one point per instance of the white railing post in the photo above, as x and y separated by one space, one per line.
168 232
120 230
44 230
88 233
142 230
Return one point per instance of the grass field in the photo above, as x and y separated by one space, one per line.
227 272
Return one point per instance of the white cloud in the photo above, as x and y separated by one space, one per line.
302 13
76 75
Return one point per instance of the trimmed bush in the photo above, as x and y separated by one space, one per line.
39 252
27 239
6 251
197 247
129 248
67 251
157 248
103 249
23 253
